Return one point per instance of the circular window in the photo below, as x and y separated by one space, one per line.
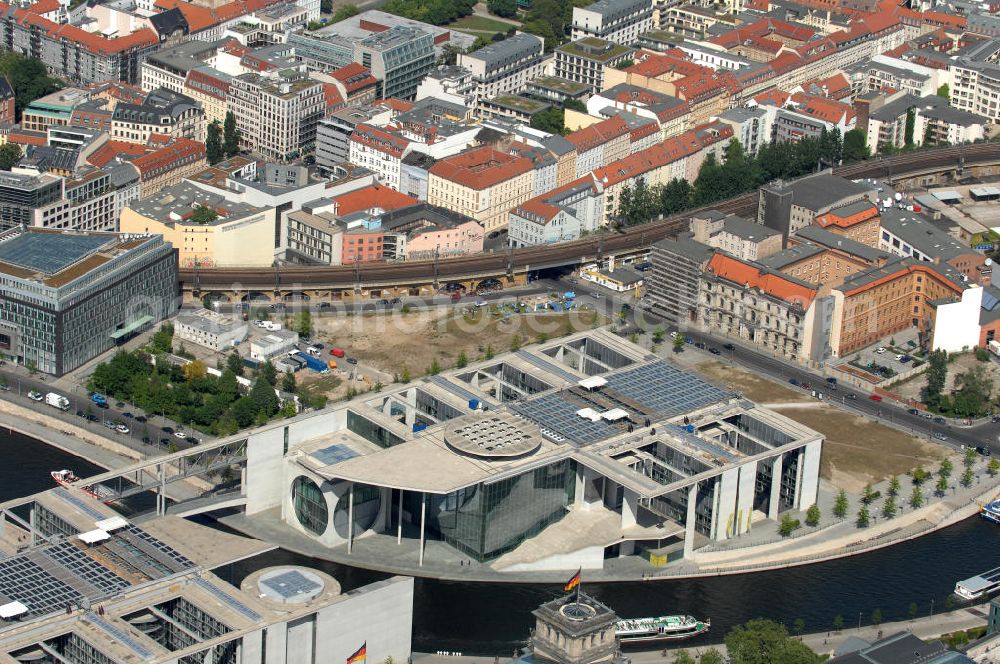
367 502
310 505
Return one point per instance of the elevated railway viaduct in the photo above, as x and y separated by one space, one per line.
353 282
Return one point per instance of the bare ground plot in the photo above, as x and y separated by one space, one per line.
912 387
413 341
754 387
312 384
858 451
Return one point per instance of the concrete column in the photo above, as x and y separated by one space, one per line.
581 486
744 506
423 519
808 488
350 518
31 524
161 495
775 501
689 521
411 415
399 519
727 514
630 508
713 530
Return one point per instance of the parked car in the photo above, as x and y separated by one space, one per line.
147 440
192 440
166 429
35 395
180 434
899 358
995 418
904 359
128 415
352 360
984 451
913 411
122 428
939 420
80 413
140 418
700 344
164 441
714 351
338 352
851 396
874 397
93 418
880 350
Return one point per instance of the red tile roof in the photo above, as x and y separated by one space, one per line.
44 6
753 276
181 152
371 197
379 139
111 149
94 43
481 168
354 77
598 133
836 218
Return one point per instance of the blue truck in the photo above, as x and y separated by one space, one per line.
313 363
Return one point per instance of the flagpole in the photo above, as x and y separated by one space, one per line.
578 584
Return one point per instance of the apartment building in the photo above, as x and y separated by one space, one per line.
356 84
735 235
240 235
170 67
558 215
584 60
333 135
751 127
505 66
975 87
788 207
671 114
210 88
483 184
379 151
451 83
169 165
911 235
819 257
600 144
767 308
673 284
163 112
618 21
859 221
277 113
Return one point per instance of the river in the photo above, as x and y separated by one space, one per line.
491 619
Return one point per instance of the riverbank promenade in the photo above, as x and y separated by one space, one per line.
928 628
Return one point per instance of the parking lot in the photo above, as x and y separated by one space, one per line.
895 353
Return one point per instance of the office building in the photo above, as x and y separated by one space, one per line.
399 57
673 285
85 586
505 66
209 329
483 184
788 207
206 229
499 460
619 21
272 344
53 110
910 234
277 113
583 61
451 83
67 296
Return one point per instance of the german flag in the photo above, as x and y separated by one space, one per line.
359 654
573 582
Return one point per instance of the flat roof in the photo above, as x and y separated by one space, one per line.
50 252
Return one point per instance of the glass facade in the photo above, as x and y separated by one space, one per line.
488 520
370 431
310 505
367 502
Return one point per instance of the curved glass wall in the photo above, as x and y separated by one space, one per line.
310 505
367 501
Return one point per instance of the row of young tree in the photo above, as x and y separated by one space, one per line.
739 173
224 141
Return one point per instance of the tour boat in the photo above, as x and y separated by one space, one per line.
68 478
664 628
991 511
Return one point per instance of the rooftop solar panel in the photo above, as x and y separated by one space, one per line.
227 599
334 454
177 561
990 300
50 252
555 413
82 566
291 583
24 581
120 635
547 366
665 389
79 503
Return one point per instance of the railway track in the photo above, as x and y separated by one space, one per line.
565 253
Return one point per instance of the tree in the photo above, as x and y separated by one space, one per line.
683 657
877 617
889 507
678 343
213 143
864 517
449 54
971 456
916 497
505 8
345 12
911 119
946 468
712 656
788 525
799 626
28 78
551 120
972 398
967 477
838 622
893 486
675 196
203 215
658 334
194 370
263 398
234 363
305 323
993 467
840 506
766 642
855 146
913 610
488 353
711 184
943 91
812 515
288 383
462 360
941 487
10 154
435 367
920 475
268 373
868 495
231 135
515 343
937 374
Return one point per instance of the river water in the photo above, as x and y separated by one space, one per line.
491 619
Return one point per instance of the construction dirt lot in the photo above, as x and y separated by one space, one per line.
857 450
388 346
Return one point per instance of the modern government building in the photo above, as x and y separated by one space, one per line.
558 456
68 296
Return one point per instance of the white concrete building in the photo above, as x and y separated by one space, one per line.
209 329
619 21
505 66
272 344
956 323
379 151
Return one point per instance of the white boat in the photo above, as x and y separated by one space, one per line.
977 586
98 491
663 628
